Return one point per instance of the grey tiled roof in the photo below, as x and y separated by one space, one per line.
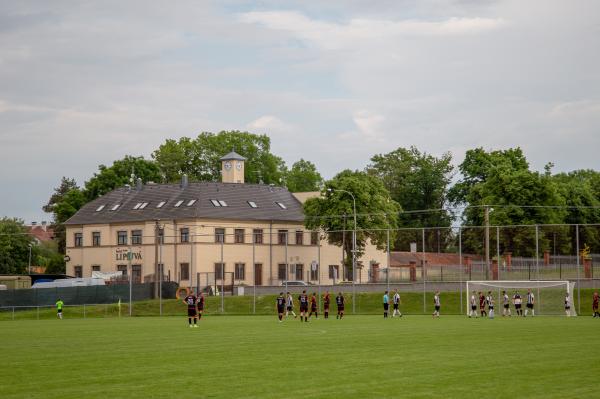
236 196
232 156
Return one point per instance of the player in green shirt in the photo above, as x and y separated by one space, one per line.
59 306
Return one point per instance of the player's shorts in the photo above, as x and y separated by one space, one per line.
530 306
289 308
326 307
200 308
595 307
490 307
279 309
437 308
304 308
567 308
473 307
313 308
506 306
386 306
191 312
59 311
517 306
341 308
482 308
395 306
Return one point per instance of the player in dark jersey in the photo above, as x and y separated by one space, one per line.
190 301
280 301
326 300
303 299
339 300
517 303
595 304
200 305
482 304
313 306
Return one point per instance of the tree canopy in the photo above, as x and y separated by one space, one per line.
14 246
303 176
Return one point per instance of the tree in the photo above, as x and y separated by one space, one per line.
333 212
199 158
63 203
417 181
303 176
14 246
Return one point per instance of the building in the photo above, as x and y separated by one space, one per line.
41 233
197 233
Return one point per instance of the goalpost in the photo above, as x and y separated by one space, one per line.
549 295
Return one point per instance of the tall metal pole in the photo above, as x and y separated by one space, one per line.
29 268
537 253
130 280
287 266
319 263
578 279
222 276
160 276
387 270
498 250
423 271
254 272
486 218
354 257
460 267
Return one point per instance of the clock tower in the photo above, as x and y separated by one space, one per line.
232 168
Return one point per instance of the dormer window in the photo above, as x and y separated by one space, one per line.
100 208
160 204
115 207
178 203
282 206
252 204
191 202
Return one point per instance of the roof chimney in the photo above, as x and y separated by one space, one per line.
184 181
138 184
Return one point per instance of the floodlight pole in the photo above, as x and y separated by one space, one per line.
254 272
29 267
130 280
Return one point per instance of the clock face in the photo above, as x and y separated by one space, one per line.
238 165
227 165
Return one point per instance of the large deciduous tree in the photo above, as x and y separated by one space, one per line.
14 246
333 213
63 203
303 176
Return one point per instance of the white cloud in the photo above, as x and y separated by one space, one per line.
269 124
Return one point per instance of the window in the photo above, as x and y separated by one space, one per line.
258 236
184 271
240 271
219 235
178 203
215 203
136 237
281 271
191 202
314 272
137 206
121 238
115 207
314 238
96 238
334 271
219 270
95 268
282 237
144 204
78 239
78 270
299 238
282 206
252 204
239 236
184 235
122 269
299 272
223 203
160 204
136 274
100 208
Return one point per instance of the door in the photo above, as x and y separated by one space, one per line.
258 274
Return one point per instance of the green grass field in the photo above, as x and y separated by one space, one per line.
257 357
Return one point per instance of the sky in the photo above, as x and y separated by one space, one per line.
86 83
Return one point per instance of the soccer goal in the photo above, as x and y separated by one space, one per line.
549 295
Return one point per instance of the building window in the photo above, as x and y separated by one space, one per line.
191 202
121 238
258 236
282 237
215 203
122 269
136 274
137 206
95 268
115 207
240 271
219 235
299 238
160 204
314 273
145 204
299 272
281 205
252 204
78 239
281 274
100 208
314 238
334 271
184 271
239 236
219 270
78 270
136 237
184 234
96 238
223 203
178 203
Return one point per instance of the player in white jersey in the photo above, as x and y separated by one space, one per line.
568 305
517 303
506 304
436 304
289 301
396 301
490 302
473 302
530 303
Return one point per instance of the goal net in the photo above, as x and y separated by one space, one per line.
549 296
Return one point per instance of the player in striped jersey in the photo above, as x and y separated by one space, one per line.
490 302
473 302
436 304
290 305
505 302
568 305
396 300
530 303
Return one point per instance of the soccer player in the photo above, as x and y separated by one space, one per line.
339 300
59 306
190 301
396 304
517 303
530 302
505 301
313 305
436 303
280 302
568 305
490 303
290 305
303 299
326 300
595 304
200 305
386 304
482 304
473 312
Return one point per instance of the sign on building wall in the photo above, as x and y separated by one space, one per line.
125 254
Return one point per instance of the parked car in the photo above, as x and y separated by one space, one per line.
294 283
